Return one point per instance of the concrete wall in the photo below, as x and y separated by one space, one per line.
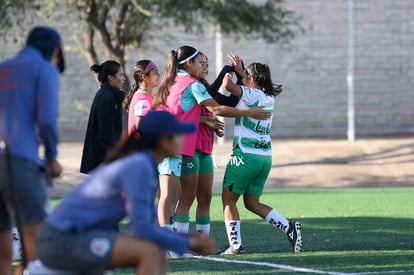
312 69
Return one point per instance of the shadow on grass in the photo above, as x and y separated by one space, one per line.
363 159
353 244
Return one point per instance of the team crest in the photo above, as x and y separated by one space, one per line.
100 246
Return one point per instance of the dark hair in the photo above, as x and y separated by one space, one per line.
138 72
174 58
262 77
109 67
204 81
127 145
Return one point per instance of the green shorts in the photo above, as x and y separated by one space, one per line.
201 163
247 173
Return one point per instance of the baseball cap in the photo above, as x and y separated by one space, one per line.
157 124
45 40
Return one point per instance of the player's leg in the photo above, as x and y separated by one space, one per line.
5 236
170 190
204 193
33 203
147 257
232 222
252 203
5 252
236 180
189 183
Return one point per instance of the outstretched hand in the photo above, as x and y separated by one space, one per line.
202 244
237 62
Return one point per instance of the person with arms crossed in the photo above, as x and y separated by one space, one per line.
105 118
29 99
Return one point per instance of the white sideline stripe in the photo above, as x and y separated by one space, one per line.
385 272
278 266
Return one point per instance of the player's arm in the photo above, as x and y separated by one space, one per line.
202 97
220 110
47 106
232 87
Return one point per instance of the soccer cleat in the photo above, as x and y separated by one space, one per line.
294 236
232 250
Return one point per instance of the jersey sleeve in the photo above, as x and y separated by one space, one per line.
249 96
199 92
142 107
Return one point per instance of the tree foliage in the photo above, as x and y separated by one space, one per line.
119 24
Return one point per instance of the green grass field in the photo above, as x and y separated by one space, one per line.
344 230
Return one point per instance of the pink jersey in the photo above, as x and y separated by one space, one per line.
205 135
140 105
173 105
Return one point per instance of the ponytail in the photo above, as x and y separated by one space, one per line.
139 70
176 60
262 78
109 67
126 146
170 73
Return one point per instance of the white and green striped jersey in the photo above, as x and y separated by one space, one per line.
252 135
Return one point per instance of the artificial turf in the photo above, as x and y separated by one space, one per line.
344 230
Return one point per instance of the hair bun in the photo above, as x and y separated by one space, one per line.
96 68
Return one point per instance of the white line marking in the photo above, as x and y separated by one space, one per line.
385 272
278 266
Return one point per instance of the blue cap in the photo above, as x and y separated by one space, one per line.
45 40
158 124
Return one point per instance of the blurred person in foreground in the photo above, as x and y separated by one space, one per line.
82 235
29 98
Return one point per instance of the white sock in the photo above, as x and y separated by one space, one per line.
233 232
181 227
277 220
203 228
168 226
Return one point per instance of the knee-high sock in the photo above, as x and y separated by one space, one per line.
233 232
277 220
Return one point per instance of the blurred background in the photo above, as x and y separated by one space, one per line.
322 51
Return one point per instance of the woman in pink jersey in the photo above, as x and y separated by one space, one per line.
139 99
183 94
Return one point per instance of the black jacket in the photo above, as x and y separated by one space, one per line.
104 126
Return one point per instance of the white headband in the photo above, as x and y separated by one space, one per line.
188 58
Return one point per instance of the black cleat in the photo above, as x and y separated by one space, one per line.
232 250
294 236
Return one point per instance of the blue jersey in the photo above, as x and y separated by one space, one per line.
124 188
29 95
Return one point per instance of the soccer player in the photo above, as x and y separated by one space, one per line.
29 95
138 102
81 234
105 118
182 94
251 161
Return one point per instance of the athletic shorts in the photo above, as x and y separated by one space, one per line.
86 252
247 173
30 182
201 163
170 166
